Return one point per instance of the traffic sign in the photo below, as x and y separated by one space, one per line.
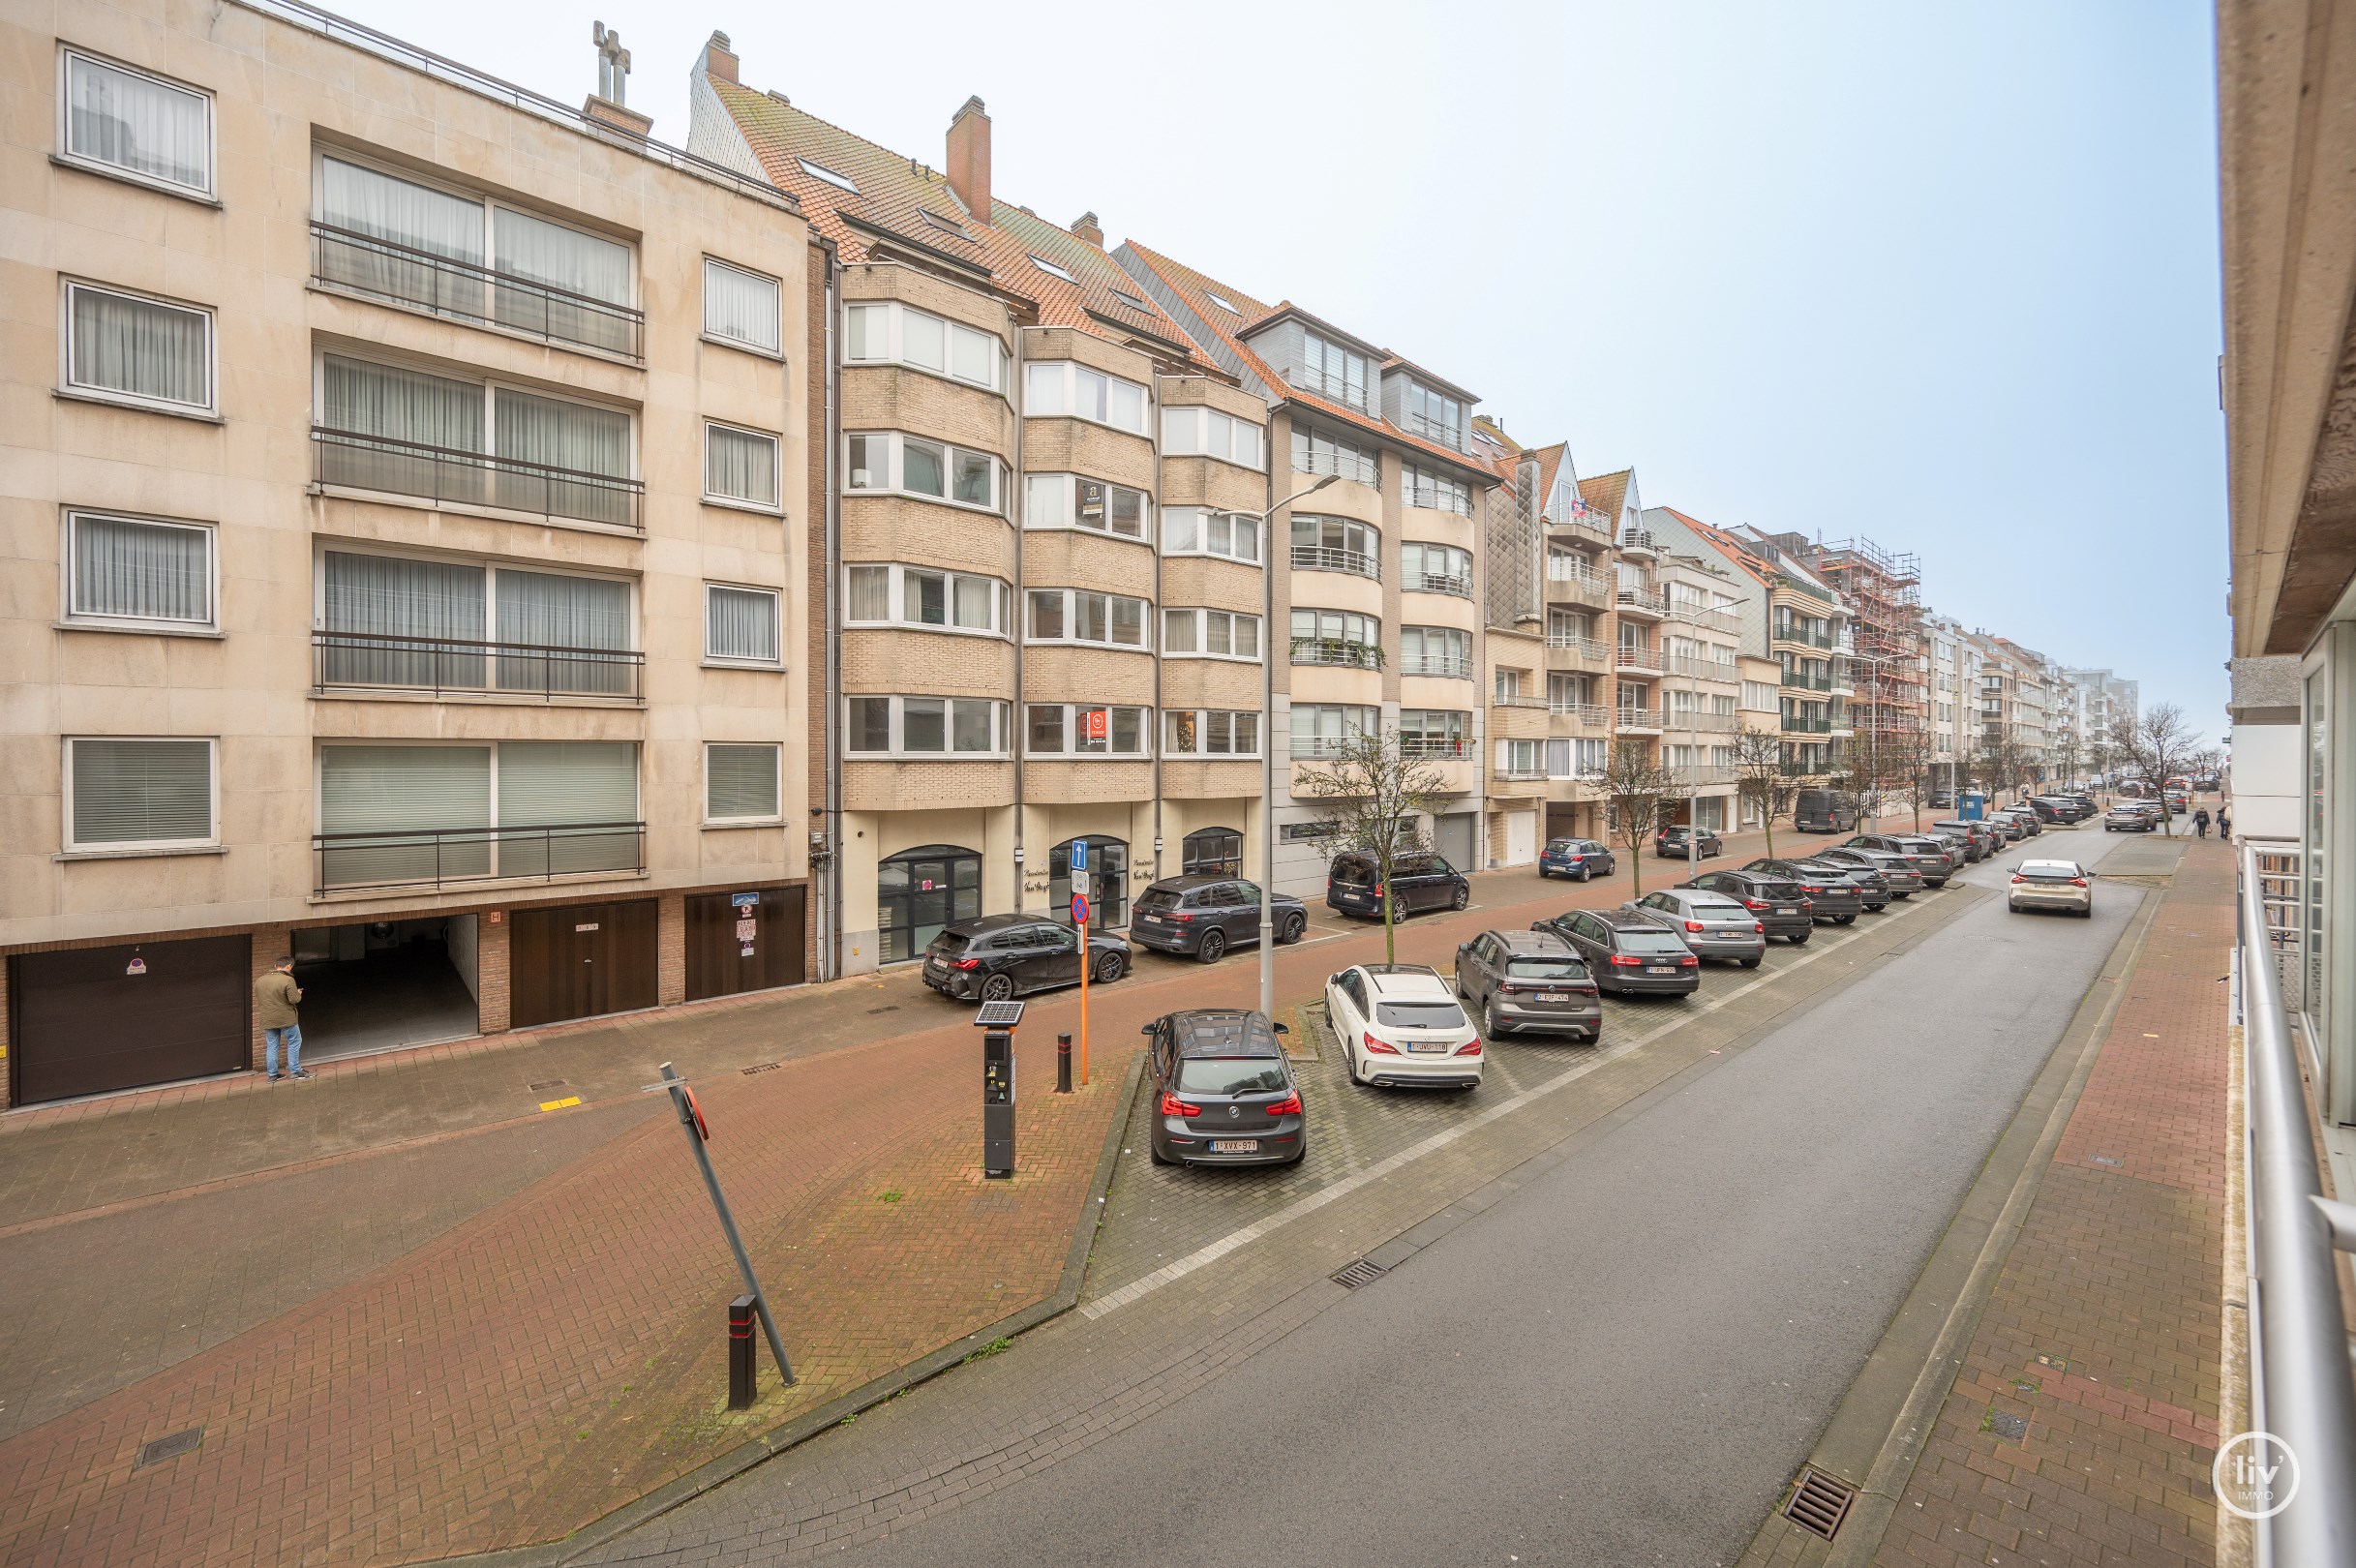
1079 908
1079 854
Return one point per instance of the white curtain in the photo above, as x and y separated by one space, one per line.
142 347
563 784
547 610
568 436
743 306
739 781
742 623
369 600
544 253
391 796
404 214
740 464
143 571
142 792
138 124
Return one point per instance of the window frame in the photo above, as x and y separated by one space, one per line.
899 440
1146 631
759 351
209 193
70 846
1201 615
1326 349
1199 441
211 625
1070 505
896 339
827 176
1070 370
895 600
727 661
1148 736
1202 718
1201 516
896 725
776 448
773 818
208 410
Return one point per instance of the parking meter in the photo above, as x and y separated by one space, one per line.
997 1020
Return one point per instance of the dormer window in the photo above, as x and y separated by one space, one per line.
1051 268
820 172
1332 371
1436 415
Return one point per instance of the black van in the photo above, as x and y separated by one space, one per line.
1353 885
1824 812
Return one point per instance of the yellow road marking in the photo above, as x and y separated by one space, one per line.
560 1104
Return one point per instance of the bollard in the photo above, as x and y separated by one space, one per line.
1063 1064
741 1351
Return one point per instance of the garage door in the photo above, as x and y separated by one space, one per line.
1457 837
1520 838
744 942
580 961
103 1019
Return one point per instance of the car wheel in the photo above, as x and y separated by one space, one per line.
1544 873
1212 948
1288 930
1464 896
1157 1155
1585 873
998 988
1843 919
1748 963
1108 968
1489 1019
1801 940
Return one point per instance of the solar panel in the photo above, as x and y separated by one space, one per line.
998 1015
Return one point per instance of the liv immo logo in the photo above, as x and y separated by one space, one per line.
2256 1474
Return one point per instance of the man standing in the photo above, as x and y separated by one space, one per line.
275 998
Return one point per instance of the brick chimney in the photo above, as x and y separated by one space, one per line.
969 158
719 60
1085 227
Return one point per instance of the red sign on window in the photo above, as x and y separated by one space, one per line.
1100 722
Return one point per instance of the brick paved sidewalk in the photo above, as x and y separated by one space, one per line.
2081 1426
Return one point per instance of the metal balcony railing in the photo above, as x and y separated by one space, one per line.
1703 720
1334 651
1306 748
1587 590
1517 699
1648 659
1435 747
1796 681
1639 541
1362 471
1451 437
446 474
1446 666
1807 725
1456 583
432 856
1508 773
1592 715
1332 388
458 664
1644 601
1589 522
461 290
1700 669
1630 719
1333 558
1723 620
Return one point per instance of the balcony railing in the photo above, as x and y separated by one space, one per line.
1574 589
1332 388
446 473
1639 541
1644 601
1807 725
1724 621
385 269
1435 747
1718 670
1628 719
432 856
1345 465
1591 715
1630 657
1336 651
1508 773
1796 681
1517 699
458 664
1458 583
1333 558
1586 649
1446 666
1589 522
1702 719
1451 437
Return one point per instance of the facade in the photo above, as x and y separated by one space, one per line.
405 571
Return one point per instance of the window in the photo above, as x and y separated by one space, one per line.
1424 487
392 813
1521 759
889 461
820 172
1064 501
740 466
1081 616
1215 634
1337 637
1433 732
1437 415
1051 268
927 727
1320 729
1435 568
1197 432
918 596
1133 301
1057 387
1197 530
1315 452
888 333
131 123
741 308
138 349
138 570
456 625
1221 303
138 793
1087 730
1335 544
1332 371
1214 852
1435 651
740 624
740 783
1189 731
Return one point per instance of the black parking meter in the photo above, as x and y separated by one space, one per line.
997 1020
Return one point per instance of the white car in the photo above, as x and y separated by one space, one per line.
2062 885
1401 1024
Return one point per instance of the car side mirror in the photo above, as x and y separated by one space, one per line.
1280 1029
1147 1031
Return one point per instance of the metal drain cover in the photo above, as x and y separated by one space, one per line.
1820 1503
2011 1427
1360 1273
163 1448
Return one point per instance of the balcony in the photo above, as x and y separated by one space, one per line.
434 857
1725 674
456 476
1334 651
1572 587
461 291
461 665
1793 680
1637 542
1438 583
1567 650
1646 660
1638 601
1507 774
1702 720
1720 621
1333 558
1583 715
1807 725
1588 522
1332 388
1629 719
1517 699
1435 747
1445 666
1436 431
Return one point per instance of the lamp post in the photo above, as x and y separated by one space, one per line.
1268 740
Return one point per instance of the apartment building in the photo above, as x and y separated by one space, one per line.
1953 693
1578 597
2105 703
1883 655
404 569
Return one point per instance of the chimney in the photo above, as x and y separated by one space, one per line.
1085 227
719 60
969 158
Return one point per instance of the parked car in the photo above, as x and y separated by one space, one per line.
1965 848
2009 828
1515 981
1002 956
1224 1093
1710 923
1206 916
1929 858
1629 953
1677 841
2129 819
2062 885
1943 801
1353 885
2019 822
1896 870
1833 899
1985 838
2066 806
1872 888
1578 858
1824 812
1399 1026
1775 902
2179 802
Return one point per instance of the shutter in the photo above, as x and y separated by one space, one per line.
142 792
382 790
563 784
739 781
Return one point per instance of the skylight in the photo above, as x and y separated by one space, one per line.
1132 301
1050 269
820 172
1224 304
951 224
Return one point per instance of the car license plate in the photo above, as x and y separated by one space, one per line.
1660 969
1551 996
1792 911
1426 1047
1236 1146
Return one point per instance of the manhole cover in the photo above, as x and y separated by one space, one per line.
546 1083
163 1448
1820 1503
1361 1273
2011 1427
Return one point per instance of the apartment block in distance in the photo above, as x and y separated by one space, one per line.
405 568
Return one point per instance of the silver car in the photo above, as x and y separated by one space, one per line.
2062 885
1712 925
1527 980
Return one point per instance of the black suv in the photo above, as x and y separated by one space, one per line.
1003 956
1353 884
1781 908
1224 1094
1206 916
1896 870
1831 895
1929 857
1627 952
1674 843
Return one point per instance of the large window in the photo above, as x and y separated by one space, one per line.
1063 387
740 783
407 814
912 466
1212 731
885 332
919 891
1331 371
1197 530
1198 432
1212 852
918 596
1435 651
1433 732
1435 568
139 571
927 727
1086 730
1211 634
1427 486
1436 415
1315 452
1083 615
741 624
128 122
740 466
135 349
1337 637
1322 729
1064 501
741 308
452 625
138 793
1335 544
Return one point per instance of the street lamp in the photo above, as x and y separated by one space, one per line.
1268 741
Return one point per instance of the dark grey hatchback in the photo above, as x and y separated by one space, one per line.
1206 916
1628 952
1224 1093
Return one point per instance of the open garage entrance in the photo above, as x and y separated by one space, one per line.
386 983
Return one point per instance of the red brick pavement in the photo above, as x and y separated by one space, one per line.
2103 1332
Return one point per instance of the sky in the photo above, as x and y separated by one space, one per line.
1945 277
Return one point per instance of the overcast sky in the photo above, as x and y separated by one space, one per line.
1943 276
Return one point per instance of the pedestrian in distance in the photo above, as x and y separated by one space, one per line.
276 999
2224 822
2200 823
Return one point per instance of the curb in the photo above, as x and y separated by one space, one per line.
726 1467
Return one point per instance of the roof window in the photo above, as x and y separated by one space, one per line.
820 172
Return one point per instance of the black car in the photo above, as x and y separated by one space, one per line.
1872 886
1895 870
1831 896
1206 916
1777 901
1628 952
1674 843
1224 1093
1353 884
1002 956
1824 812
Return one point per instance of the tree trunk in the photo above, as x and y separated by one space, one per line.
1390 925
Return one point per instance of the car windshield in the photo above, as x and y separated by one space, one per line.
1231 1075
1546 969
1156 898
2050 873
1431 1014
949 943
1649 942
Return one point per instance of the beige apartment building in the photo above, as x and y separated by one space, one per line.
407 565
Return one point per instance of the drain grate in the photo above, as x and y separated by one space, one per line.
764 1067
546 1083
1820 1503
1361 1273
163 1448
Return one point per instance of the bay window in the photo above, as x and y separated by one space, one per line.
912 466
124 121
1083 615
927 727
1054 386
881 596
885 332
1313 451
1215 634
1214 732
1433 732
1323 729
1064 501
139 793
1198 530
135 349
1435 568
1337 544
139 571
1429 488
1200 432
1435 651
1337 637
1086 730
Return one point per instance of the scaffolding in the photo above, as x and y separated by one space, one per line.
1889 673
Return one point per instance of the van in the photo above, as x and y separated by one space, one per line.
1824 812
1420 881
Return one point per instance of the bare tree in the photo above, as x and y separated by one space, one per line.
1372 794
2159 746
1636 787
1760 777
1908 754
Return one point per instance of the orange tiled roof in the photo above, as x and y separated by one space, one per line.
1726 545
1607 494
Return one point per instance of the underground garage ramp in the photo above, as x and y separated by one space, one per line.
96 1019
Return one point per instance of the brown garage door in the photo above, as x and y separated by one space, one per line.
580 961
100 1018
744 942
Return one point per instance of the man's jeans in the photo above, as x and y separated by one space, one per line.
294 1036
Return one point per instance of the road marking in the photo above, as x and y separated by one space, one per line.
1310 1203
560 1104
